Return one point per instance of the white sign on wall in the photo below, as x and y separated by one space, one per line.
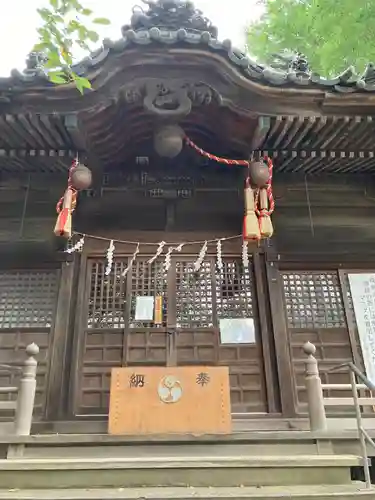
362 287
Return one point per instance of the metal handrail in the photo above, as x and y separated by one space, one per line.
354 372
357 371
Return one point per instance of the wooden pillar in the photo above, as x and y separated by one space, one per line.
269 358
60 346
288 394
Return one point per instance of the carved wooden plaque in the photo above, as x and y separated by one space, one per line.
162 400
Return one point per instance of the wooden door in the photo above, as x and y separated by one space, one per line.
316 311
202 300
192 305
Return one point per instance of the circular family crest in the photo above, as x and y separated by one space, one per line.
169 389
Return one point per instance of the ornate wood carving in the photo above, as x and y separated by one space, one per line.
170 98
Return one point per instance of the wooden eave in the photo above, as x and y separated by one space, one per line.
316 145
117 135
312 126
35 143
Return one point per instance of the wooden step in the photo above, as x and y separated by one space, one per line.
202 471
336 492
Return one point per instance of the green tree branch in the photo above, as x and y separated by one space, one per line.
66 26
332 34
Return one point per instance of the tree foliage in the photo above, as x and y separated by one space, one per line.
333 34
66 26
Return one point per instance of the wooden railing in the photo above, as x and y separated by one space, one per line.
317 402
23 405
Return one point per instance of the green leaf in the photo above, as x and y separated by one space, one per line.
72 27
81 83
92 36
67 57
82 33
54 3
53 56
86 12
45 14
57 77
40 47
101 20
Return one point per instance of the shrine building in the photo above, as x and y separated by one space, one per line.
155 270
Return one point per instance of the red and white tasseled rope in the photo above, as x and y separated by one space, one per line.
70 186
270 197
240 163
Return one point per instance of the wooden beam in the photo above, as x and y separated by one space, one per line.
71 124
15 253
261 131
37 153
316 153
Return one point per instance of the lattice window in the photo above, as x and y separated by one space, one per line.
234 291
27 299
107 299
313 300
148 280
194 295
203 298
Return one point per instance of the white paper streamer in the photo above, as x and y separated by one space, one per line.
167 262
159 251
110 252
201 256
245 254
219 257
77 247
130 265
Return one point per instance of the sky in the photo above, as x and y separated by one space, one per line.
19 22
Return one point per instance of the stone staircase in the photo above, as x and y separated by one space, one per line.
265 465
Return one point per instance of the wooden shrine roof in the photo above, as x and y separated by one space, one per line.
171 37
169 62
176 26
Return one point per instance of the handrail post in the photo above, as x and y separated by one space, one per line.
316 409
26 393
361 435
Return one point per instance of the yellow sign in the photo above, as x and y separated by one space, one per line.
162 400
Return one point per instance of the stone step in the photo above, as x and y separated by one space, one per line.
199 471
250 443
336 492
118 450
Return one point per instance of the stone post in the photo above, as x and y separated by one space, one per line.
317 413
26 393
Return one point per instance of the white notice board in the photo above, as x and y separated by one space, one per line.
362 287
